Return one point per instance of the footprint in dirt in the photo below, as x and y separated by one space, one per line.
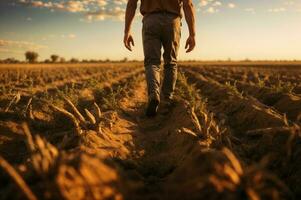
147 124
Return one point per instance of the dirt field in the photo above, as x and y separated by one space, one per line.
79 132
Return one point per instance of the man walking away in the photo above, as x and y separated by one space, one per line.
161 28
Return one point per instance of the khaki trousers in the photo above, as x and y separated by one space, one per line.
161 30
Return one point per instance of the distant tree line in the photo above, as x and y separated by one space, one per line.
32 57
10 60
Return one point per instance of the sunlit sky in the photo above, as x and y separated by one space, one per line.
93 29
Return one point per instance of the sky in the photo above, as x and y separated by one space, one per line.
93 29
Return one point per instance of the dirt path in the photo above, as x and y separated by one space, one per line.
158 145
149 155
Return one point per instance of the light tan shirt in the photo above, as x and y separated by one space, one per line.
150 6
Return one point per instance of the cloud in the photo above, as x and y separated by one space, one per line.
102 14
203 3
72 36
231 5
217 3
64 36
70 6
91 9
289 3
10 51
213 6
120 2
293 5
250 10
211 10
98 10
69 36
21 45
277 10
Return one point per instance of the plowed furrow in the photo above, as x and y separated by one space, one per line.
285 103
241 113
275 144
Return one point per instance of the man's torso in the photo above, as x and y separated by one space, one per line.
151 6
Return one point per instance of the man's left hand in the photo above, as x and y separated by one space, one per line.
190 44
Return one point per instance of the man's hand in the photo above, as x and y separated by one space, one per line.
129 16
190 44
190 19
128 41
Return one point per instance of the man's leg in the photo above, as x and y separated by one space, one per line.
152 53
171 42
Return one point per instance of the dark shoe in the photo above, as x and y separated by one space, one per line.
152 108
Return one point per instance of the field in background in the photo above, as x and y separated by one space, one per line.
78 131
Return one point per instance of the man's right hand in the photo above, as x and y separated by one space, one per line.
128 41
189 12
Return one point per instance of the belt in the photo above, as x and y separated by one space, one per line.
164 12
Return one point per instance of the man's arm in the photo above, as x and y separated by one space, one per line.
129 16
190 19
